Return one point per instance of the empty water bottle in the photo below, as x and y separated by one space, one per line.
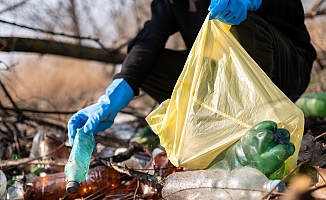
219 184
77 167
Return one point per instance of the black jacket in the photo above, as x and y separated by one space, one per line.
171 16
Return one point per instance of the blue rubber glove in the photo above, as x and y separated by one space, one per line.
101 115
232 12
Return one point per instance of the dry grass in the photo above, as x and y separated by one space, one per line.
60 83
54 83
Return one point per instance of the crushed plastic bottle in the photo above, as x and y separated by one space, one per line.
3 183
77 166
264 147
244 183
99 180
312 104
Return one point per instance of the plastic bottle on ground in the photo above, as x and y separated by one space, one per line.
254 183
77 166
242 183
100 180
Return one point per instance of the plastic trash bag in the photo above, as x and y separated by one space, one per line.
220 94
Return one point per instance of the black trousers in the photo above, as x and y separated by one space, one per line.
284 63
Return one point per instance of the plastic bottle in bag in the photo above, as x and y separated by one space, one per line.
100 179
77 167
219 184
312 104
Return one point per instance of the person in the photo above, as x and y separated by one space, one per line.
273 32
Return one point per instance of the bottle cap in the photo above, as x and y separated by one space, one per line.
72 187
281 187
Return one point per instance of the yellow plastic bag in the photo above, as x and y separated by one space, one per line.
220 94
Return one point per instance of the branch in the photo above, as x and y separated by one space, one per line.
9 44
141 175
315 10
13 7
316 13
49 161
28 160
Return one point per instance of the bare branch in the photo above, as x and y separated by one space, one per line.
315 10
62 49
13 7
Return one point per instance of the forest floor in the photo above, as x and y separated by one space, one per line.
53 146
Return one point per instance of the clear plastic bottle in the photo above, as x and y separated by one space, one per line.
77 167
250 183
198 184
218 184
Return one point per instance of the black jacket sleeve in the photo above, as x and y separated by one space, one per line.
168 17
145 49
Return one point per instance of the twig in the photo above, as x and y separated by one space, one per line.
48 161
133 148
60 34
9 97
13 7
314 10
36 158
142 176
320 135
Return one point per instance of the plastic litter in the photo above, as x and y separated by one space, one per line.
77 166
264 147
219 184
99 180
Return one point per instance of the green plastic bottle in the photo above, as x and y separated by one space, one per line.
264 147
312 104
77 167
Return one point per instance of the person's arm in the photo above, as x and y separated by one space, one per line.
145 49
143 52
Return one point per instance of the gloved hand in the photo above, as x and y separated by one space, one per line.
101 115
232 12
